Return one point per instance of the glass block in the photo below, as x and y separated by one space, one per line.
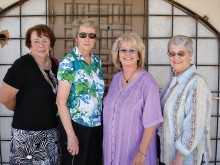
203 31
218 147
4 111
3 70
5 150
210 74
215 100
5 128
28 22
219 132
213 146
194 53
10 52
12 25
157 51
207 51
160 73
160 26
180 24
24 49
15 11
177 11
213 125
34 7
159 7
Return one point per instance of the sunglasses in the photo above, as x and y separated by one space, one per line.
131 50
84 35
180 53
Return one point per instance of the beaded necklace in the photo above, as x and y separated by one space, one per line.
46 76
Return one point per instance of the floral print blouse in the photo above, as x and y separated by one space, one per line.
86 93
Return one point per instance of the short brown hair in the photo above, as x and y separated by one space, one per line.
42 30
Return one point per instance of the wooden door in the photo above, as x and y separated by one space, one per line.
115 17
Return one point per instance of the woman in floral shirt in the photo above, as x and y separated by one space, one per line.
79 98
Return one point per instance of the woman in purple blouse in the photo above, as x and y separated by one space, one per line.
131 108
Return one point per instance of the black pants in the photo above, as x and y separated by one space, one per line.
90 145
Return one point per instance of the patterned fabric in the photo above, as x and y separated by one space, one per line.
187 112
86 93
34 147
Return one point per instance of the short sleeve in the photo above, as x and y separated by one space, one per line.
152 114
66 70
15 75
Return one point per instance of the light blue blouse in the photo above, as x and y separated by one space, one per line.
187 112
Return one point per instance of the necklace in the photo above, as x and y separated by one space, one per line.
126 80
46 76
52 76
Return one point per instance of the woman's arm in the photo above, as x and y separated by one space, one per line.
197 119
7 96
145 143
62 96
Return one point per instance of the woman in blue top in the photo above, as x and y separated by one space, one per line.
186 104
79 98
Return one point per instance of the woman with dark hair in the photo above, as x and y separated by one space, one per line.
29 89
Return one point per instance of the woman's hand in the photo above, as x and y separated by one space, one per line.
179 159
139 159
8 96
73 145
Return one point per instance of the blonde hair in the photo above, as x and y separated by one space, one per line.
136 42
87 22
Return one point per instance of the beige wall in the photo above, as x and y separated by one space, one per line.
210 8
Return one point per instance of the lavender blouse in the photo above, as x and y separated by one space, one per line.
127 112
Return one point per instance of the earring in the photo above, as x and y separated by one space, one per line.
50 52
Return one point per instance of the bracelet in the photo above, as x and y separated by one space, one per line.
141 153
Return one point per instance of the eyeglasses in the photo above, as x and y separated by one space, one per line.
131 50
180 53
38 42
84 35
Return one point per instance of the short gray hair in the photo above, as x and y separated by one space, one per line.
87 22
181 40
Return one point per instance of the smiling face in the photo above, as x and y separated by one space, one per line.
128 55
40 46
179 63
85 45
